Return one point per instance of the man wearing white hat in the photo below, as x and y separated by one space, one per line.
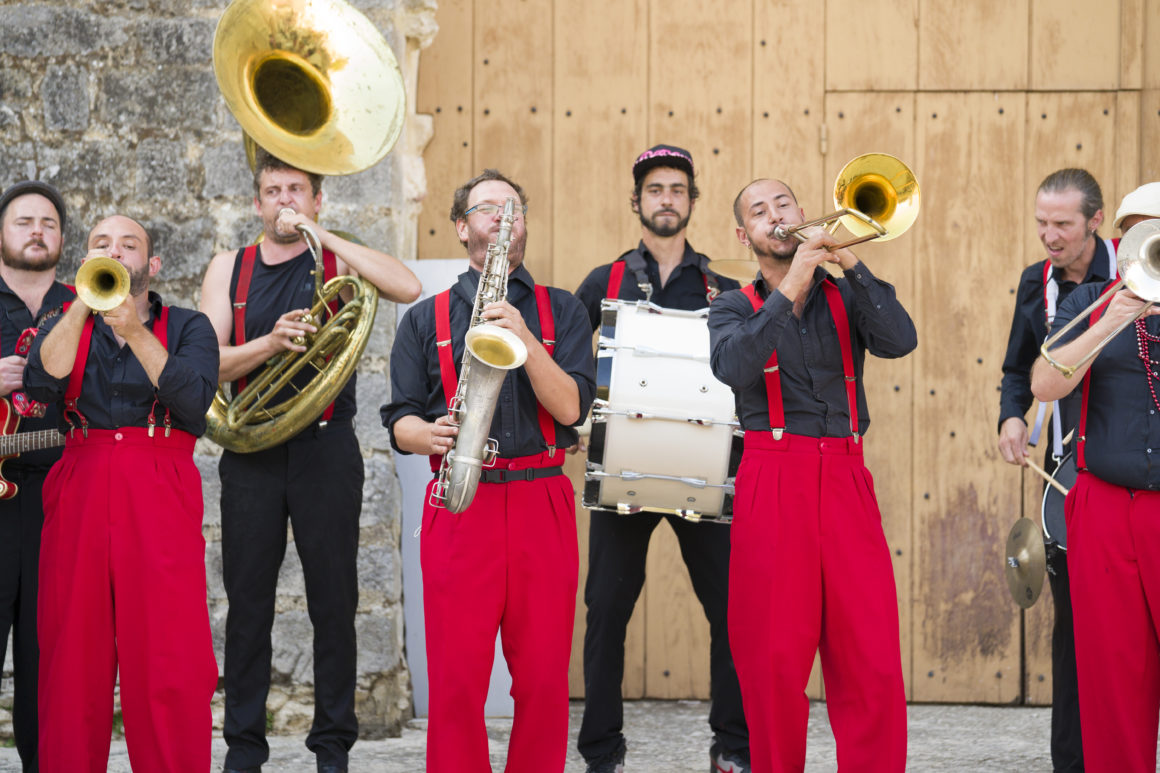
1139 205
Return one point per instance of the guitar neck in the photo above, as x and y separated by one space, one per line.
10 445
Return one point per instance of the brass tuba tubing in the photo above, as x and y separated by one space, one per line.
1139 268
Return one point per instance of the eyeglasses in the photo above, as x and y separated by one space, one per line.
491 210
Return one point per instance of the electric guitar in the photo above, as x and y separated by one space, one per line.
13 443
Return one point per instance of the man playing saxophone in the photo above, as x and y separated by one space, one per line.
255 298
508 562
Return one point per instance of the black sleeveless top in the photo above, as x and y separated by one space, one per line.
275 290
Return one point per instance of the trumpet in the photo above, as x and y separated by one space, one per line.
1138 264
102 283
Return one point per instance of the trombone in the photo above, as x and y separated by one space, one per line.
1138 264
877 197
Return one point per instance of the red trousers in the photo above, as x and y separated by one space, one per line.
507 563
1113 547
122 582
810 570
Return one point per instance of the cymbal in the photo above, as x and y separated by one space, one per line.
1026 562
744 271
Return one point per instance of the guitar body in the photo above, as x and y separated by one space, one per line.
9 421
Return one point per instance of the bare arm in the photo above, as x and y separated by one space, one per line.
59 350
416 435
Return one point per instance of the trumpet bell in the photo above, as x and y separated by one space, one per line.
311 81
1138 259
102 283
881 186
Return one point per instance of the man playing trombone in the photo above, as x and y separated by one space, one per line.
1113 510
810 567
122 562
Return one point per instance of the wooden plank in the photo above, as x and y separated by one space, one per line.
1133 24
444 92
871 46
710 115
1150 135
788 111
1070 129
970 46
889 119
600 128
513 104
966 631
1074 46
1127 147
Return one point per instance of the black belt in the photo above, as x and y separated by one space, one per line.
507 476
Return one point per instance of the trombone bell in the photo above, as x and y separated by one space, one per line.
882 187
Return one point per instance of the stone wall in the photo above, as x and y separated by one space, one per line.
116 103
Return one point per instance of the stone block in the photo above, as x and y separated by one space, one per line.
185 247
95 171
371 391
378 642
378 570
368 188
226 172
293 660
167 97
15 91
175 41
65 94
38 31
161 172
17 162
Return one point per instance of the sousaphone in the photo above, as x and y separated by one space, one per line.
315 84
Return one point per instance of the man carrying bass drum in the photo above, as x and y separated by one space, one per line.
667 271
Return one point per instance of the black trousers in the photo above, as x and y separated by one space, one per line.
617 549
21 519
1066 743
315 480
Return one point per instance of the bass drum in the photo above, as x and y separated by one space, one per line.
1054 522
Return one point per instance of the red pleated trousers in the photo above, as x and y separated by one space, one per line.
507 563
122 583
810 570
1113 556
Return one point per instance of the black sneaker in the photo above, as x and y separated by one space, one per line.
721 761
613 762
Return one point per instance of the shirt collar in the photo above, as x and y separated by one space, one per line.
688 258
1097 269
820 275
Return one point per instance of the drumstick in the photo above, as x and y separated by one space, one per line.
1050 480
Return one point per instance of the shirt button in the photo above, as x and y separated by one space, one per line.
507 434
858 275
118 436
803 331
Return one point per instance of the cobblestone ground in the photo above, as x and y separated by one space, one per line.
673 737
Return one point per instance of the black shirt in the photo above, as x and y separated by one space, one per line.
15 318
116 392
1123 423
275 290
684 290
1029 330
808 352
417 386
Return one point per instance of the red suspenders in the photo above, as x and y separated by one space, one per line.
447 365
245 273
773 377
73 392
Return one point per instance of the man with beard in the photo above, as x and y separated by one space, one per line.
665 270
32 216
1068 212
256 297
122 563
509 561
810 568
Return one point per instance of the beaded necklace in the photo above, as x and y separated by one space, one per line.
1143 338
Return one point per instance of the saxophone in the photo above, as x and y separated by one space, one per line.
489 353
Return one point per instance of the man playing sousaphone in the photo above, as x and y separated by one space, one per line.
256 297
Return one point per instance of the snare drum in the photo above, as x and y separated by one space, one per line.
664 433
1054 522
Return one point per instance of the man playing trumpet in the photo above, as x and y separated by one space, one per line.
810 568
122 562
256 298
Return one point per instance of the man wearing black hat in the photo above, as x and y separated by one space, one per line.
32 216
666 270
